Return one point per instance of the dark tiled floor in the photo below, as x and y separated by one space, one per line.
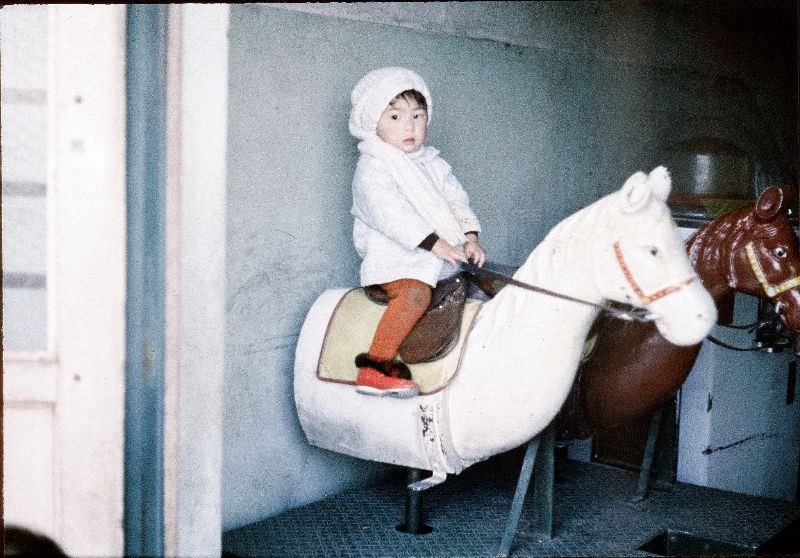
593 516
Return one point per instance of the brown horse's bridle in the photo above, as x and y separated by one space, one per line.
644 298
771 290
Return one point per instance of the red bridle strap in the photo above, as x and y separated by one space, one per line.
646 299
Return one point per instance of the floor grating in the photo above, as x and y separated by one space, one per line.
593 515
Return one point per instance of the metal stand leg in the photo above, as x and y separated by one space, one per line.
413 524
649 454
541 455
544 479
561 454
519 497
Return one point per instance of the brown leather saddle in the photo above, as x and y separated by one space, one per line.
438 330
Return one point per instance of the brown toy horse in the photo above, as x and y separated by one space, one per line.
632 370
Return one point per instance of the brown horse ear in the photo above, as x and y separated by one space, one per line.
788 194
772 201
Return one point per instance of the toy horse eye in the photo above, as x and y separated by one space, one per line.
780 251
653 251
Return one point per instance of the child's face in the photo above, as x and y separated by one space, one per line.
403 124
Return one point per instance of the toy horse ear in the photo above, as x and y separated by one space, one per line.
772 201
661 182
635 193
788 194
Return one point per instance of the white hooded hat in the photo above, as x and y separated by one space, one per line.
372 94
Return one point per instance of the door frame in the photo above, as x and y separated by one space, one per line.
68 400
146 131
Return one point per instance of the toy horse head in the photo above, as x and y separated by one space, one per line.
650 267
764 257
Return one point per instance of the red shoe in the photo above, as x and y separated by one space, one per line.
372 382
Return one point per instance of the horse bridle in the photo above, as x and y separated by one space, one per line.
771 290
633 313
647 299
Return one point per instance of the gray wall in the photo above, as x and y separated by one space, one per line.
541 108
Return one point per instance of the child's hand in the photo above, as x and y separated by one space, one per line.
473 250
448 252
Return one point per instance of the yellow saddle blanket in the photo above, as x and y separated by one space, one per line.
350 331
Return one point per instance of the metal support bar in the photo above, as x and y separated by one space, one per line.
413 503
649 454
544 479
519 497
414 515
437 477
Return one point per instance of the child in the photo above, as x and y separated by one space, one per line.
412 220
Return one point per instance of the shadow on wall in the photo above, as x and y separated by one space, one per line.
23 542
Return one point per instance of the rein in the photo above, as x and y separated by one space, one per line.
635 314
632 314
755 326
731 347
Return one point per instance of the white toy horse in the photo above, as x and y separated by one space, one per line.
521 355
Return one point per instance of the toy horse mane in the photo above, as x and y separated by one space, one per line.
727 231
560 242
550 262
589 218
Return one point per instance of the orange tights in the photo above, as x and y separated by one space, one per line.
408 300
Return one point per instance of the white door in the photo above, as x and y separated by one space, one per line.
63 217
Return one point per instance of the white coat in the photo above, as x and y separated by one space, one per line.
387 230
